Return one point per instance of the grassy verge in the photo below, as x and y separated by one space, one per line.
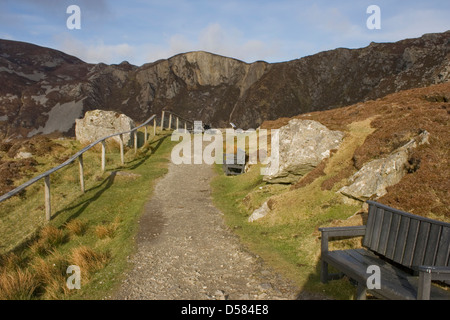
288 238
94 230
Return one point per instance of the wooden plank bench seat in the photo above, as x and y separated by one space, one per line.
410 251
234 164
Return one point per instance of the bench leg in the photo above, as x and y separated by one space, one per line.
424 286
361 291
324 272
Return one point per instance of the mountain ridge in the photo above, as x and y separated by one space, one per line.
41 85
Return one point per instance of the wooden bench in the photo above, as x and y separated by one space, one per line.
410 252
234 164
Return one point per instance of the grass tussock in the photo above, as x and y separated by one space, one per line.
18 285
50 237
107 230
76 227
88 259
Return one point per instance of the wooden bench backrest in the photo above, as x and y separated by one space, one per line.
407 239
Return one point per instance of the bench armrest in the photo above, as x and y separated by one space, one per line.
353 231
346 232
437 273
428 274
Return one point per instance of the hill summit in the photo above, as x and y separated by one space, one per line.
43 90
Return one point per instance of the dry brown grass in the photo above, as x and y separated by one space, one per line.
51 273
88 259
18 285
10 261
76 227
107 230
49 238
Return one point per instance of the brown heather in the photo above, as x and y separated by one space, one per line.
396 118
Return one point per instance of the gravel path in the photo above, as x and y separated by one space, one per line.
185 251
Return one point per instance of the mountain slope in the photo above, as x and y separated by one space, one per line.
392 121
44 90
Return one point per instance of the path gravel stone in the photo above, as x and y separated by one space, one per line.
186 252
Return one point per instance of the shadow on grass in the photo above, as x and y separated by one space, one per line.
105 185
108 182
153 146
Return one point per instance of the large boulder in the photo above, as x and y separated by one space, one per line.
97 124
375 176
303 144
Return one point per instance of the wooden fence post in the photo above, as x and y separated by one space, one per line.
103 155
48 208
170 121
185 127
80 162
177 124
121 149
162 121
154 126
145 134
135 141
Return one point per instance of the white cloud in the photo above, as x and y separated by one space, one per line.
411 23
95 51
215 39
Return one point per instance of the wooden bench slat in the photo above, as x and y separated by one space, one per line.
393 234
429 258
421 244
443 251
411 239
385 231
369 226
401 239
377 229
395 283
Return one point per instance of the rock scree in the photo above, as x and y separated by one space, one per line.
186 252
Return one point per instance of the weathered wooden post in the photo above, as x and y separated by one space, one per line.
121 149
135 141
177 124
48 208
103 155
185 126
145 134
162 121
80 162
170 121
154 126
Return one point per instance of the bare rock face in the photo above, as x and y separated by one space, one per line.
97 124
303 144
375 176
259 213
44 90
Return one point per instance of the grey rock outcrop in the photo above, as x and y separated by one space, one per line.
375 176
260 212
303 144
97 124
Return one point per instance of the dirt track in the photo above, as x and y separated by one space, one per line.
185 251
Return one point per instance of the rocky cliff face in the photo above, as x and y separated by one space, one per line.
44 91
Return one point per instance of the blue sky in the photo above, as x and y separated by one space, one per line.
142 31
